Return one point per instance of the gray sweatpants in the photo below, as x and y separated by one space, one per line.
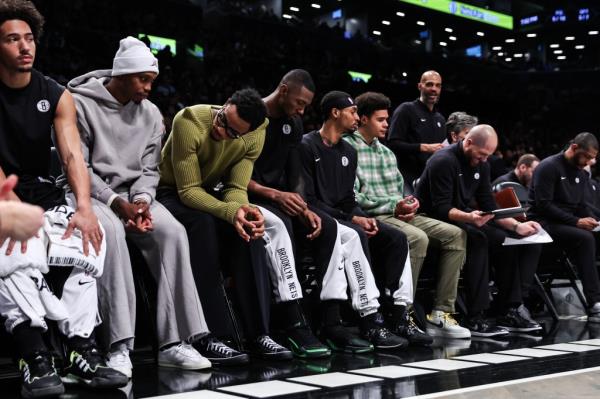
179 315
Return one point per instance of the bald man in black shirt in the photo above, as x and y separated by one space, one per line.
417 128
454 180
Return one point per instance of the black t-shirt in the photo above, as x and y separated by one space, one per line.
328 175
278 164
26 118
449 181
557 191
412 124
508 177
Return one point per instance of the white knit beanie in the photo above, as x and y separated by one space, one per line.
133 56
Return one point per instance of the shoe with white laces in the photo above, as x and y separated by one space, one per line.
442 324
182 356
594 313
266 348
220 354
119 360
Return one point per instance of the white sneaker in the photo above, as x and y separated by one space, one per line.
442 324
119 360
182 356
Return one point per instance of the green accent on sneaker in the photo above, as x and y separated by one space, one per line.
349 349
308 353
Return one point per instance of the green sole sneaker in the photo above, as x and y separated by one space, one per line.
308 353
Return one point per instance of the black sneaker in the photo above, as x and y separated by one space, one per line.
220 354
518 320
266 348
304 344
408 329
479 327
86 366
39 376
341 339
382 338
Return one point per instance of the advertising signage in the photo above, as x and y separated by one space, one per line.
466 11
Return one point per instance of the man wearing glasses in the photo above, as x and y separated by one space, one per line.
205 169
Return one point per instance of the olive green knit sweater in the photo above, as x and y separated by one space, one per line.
194 163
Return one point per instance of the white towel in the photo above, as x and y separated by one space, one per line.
28 297
35 257
69 252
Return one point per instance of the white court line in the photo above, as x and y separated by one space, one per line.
502 384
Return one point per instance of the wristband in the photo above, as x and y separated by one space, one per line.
515 226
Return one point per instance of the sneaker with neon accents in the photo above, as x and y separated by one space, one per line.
39 376
86 366
304 344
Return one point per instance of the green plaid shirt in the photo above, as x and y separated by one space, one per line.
379 185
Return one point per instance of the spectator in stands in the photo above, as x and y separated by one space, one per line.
379 190
557 196
206 165
457 127
18 220
417 128
121 133
30 105
329 170
523 172
454 179
275 185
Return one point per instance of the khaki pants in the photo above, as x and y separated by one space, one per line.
452 242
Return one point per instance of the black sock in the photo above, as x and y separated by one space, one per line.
77 342
291 314
331 313
398 313
28 339
373 320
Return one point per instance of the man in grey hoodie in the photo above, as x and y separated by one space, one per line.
121 133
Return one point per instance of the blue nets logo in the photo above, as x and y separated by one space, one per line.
43 105
453 7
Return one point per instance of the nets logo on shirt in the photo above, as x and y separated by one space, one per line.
43 105
345 161
287 129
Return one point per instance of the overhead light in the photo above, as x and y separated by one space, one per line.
443 44
554 45
570 38
500 54
496 48
386 22
510 40
593 32
287 16
449 30
557 51
404 74
561 57
400 14
531 34
518 55
453 38
377 33
295 9
315 5
480 34
508 59
579 47
420 23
